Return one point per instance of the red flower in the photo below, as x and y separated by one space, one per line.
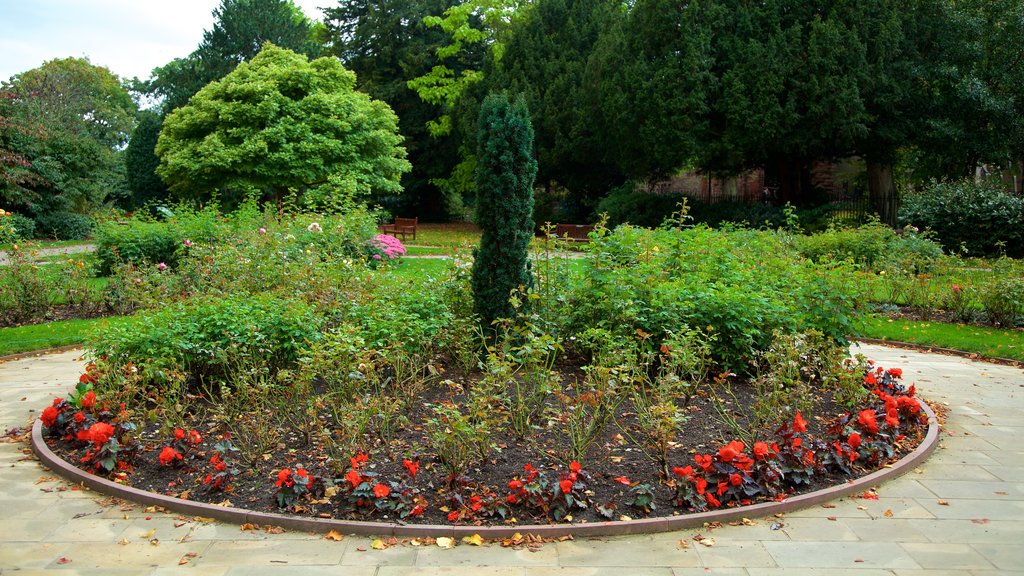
358 460
912 390
49 416
683 472
702 485
411 467
417 510
168 455
799 424
854 440
870 379
892 421
79 417
726 453
866 419
100 432
566 486
381 491
735 479
712 501
354 478
909 404
575 467
86 379
515 485
453 516
475 504
512 499
896 372
284 478
761 450
626 481
194 437
703 460
301 473
88 399
179 434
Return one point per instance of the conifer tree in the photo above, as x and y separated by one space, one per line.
505 173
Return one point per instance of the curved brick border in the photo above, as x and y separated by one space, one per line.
643 526
951 351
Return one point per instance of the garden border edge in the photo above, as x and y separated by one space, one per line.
614 528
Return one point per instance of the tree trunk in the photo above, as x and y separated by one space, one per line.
882 191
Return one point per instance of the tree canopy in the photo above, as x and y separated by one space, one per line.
278 123
62 127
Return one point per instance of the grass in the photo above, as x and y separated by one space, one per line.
37 244
50 335
991 342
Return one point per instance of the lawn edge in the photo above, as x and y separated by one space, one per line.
939 349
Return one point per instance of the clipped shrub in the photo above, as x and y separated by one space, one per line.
504 180
873 246
980 219
137 242
207 338
64 225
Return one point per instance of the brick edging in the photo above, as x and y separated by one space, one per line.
615 528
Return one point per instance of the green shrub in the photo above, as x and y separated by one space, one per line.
626 204
208 338
137 242
739 286
1002 297
980 219
873 246
64 225
15 228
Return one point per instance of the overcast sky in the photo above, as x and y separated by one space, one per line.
130 37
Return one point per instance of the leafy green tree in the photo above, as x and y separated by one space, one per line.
504 177
385 43
545 59
279 123
63 126
141 162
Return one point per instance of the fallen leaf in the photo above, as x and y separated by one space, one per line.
154 542
273 530
748 522
378 544
179 524
334 535
148 534
683 544
625 519
474 540
204 520
249 527
187 558
445 542
943 503
828 505
709 542
123 542
1001 493
867 495
832 518
887 513
979 520
63 560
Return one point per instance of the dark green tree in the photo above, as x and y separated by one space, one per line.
141 161
386 43
240 29
545 60
505 173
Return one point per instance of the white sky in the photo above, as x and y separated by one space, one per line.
130 37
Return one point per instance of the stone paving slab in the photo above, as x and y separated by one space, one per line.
961 512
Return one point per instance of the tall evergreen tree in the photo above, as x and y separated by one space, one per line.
141 161
505 174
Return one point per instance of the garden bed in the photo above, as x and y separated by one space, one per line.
606 486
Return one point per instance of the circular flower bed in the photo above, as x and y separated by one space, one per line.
521 482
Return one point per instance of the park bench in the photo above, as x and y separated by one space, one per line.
401 227
573 232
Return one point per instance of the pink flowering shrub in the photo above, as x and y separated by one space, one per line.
389 247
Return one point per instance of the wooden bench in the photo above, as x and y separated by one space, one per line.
573 232
401 227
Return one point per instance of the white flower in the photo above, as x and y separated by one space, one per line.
314 227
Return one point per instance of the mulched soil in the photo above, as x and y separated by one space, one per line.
615 454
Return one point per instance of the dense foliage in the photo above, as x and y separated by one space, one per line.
505 173
976 219
281 123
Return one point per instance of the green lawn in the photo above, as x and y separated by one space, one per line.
49 335
37 244
991 342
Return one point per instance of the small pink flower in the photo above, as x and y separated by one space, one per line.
314 227
188 243
138 280
161 266
376 256
957 289
263 230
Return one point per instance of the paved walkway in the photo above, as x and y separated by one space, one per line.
960 513
40 253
